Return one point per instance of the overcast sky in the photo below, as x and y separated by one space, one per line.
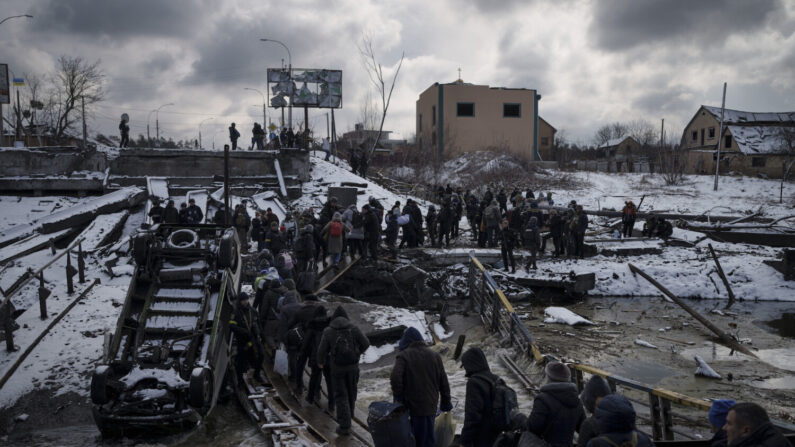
593 62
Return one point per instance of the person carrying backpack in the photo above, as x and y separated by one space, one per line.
314 330
334 234
418 381
344 343
488 402
234 134
557 411
354 220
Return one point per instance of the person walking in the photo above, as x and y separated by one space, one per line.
243 325
124 130
242 223
343 344
326 148
479 428
557 411
234 134
372 231
314 332
431 222
532 240
334 234
492 219
508 241
596 388
354 220
419 381
628 216
391 233
581 219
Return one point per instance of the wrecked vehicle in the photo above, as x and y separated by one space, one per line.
164 366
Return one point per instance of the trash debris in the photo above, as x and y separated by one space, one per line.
645 344
705 370
21 418
564 316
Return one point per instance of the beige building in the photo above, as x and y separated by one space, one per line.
751 143
459 117
623 152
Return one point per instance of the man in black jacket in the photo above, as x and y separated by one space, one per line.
314 331
372 231
616 419
418 380
557 410
594 391
479 430
170 214
304 247
343 344
748 424
156 212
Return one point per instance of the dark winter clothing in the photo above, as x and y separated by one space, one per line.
766 435
508 241
156 213
617 423
244 325
344 378
233 136
596 387
170 214
372 232
195 214
719 439
557 414
479 430
418 378
314 330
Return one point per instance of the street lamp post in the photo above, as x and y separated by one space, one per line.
200 131
264 114
14 17
148 136
292 89
157 121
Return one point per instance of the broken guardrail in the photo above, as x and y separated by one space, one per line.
497 312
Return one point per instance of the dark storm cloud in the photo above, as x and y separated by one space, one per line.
664 100
623 24
118 19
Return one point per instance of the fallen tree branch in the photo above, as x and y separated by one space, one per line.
722 277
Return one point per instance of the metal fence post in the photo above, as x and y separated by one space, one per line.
43 294
656 423
8 325
81 264
70 288
513 328
667 419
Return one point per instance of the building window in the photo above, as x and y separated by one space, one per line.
433 139
419 123
465 109
758 162
712 132
727 142
433 116
694 135
544 141
511 110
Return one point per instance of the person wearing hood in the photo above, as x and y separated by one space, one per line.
268 313
304 247
557 410
616 419
446 219
340 347
391 233
297 327
354 220
334 234
273 239
244 325
314 330
478 429
419 381
372 231
532 239
717 420
747 424
594 391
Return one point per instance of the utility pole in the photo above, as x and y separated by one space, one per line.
19 117
83 106
720 137
227 216
328 131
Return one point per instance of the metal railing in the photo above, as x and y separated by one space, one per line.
498 315
6 314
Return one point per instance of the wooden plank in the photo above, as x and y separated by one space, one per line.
322 284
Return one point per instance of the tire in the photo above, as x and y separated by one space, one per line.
183 239
141 248
200 389
228 251
99 385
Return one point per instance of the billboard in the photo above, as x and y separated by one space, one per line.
317 88
5 92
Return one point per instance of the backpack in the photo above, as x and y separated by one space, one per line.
335 230
344 352
287 260
531 236
631 443
295 337
357 220
503 401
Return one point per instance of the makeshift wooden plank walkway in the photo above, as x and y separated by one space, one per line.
327 276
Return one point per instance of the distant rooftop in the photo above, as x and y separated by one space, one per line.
740 117
755 140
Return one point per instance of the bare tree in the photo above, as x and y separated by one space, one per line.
619 130
376 73
603 135
368 112
74 80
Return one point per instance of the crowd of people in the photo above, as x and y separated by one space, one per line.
275 139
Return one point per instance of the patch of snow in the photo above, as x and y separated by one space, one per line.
441 334
645 344
564 316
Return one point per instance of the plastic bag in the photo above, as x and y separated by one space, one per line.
280 362
389 425
444 429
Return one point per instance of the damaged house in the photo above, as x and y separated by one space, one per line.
751 143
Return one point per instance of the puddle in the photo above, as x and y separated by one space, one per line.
784 326
648 373
774 383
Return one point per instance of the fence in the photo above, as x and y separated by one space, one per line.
498 315
6 314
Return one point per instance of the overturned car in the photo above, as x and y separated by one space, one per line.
164 366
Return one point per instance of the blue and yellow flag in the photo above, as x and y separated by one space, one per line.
19 82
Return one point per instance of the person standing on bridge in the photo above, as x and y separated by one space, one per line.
596 388
343 343
233 136
194 213
717 420
418 381
616 419
334 234
557 411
